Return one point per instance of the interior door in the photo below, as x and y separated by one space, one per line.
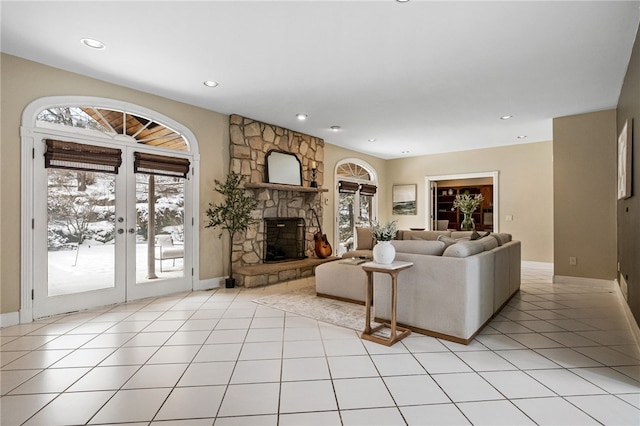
96 241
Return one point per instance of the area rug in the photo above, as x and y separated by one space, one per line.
304 302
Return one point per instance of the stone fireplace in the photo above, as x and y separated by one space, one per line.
250 141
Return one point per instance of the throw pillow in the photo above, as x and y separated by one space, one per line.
447 240
477 236
364 238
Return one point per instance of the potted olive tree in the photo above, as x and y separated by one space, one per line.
233 214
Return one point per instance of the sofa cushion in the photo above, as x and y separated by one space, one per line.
458 235
495 237
432 248
502 237
364 238
421 235
488 243
463 249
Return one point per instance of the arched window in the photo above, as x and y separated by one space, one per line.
356 201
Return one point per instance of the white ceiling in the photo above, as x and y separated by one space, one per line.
424 77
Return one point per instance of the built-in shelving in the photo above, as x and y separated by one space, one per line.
482 217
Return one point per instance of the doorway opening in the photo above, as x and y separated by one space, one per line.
442 190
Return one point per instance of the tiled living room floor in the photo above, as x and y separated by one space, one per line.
556 355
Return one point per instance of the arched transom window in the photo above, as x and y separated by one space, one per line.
354 171
115 124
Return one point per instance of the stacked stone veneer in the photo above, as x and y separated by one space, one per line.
250 141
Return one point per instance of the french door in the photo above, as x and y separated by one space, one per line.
104 238
354 210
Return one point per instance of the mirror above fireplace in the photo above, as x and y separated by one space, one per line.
283 168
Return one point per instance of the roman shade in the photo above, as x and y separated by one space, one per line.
369 190
78 156
160 165
346 187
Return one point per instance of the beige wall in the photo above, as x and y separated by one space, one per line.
525 189
584 153
628 217
23 82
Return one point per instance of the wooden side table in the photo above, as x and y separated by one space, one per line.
396 333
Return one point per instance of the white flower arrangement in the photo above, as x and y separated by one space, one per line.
467 203
384 232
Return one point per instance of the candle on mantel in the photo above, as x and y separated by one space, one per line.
314 165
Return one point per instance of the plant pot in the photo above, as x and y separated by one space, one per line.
230 282
384 253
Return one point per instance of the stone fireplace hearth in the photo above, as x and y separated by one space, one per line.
250 141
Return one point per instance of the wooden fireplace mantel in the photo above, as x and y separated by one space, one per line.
282 187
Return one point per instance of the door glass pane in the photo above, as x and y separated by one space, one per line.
366 209
346 222
80 231
159 227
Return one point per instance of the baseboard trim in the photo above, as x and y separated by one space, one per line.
587 282
635 329
208 284
548 266
9 319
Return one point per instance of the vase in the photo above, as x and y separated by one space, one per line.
467 223
384 253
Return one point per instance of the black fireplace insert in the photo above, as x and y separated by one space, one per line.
284 239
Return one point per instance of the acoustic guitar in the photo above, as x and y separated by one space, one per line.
322 247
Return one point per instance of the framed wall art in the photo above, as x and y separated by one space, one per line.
404 200
625 157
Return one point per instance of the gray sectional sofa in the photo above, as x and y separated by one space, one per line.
455 287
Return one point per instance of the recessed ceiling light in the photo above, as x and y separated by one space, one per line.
93 43
211 83
506 117
521 136
405 152
301 116
335 128
371 140
402 1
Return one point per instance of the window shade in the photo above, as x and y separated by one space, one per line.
348 187
160 165
77 156
366 189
